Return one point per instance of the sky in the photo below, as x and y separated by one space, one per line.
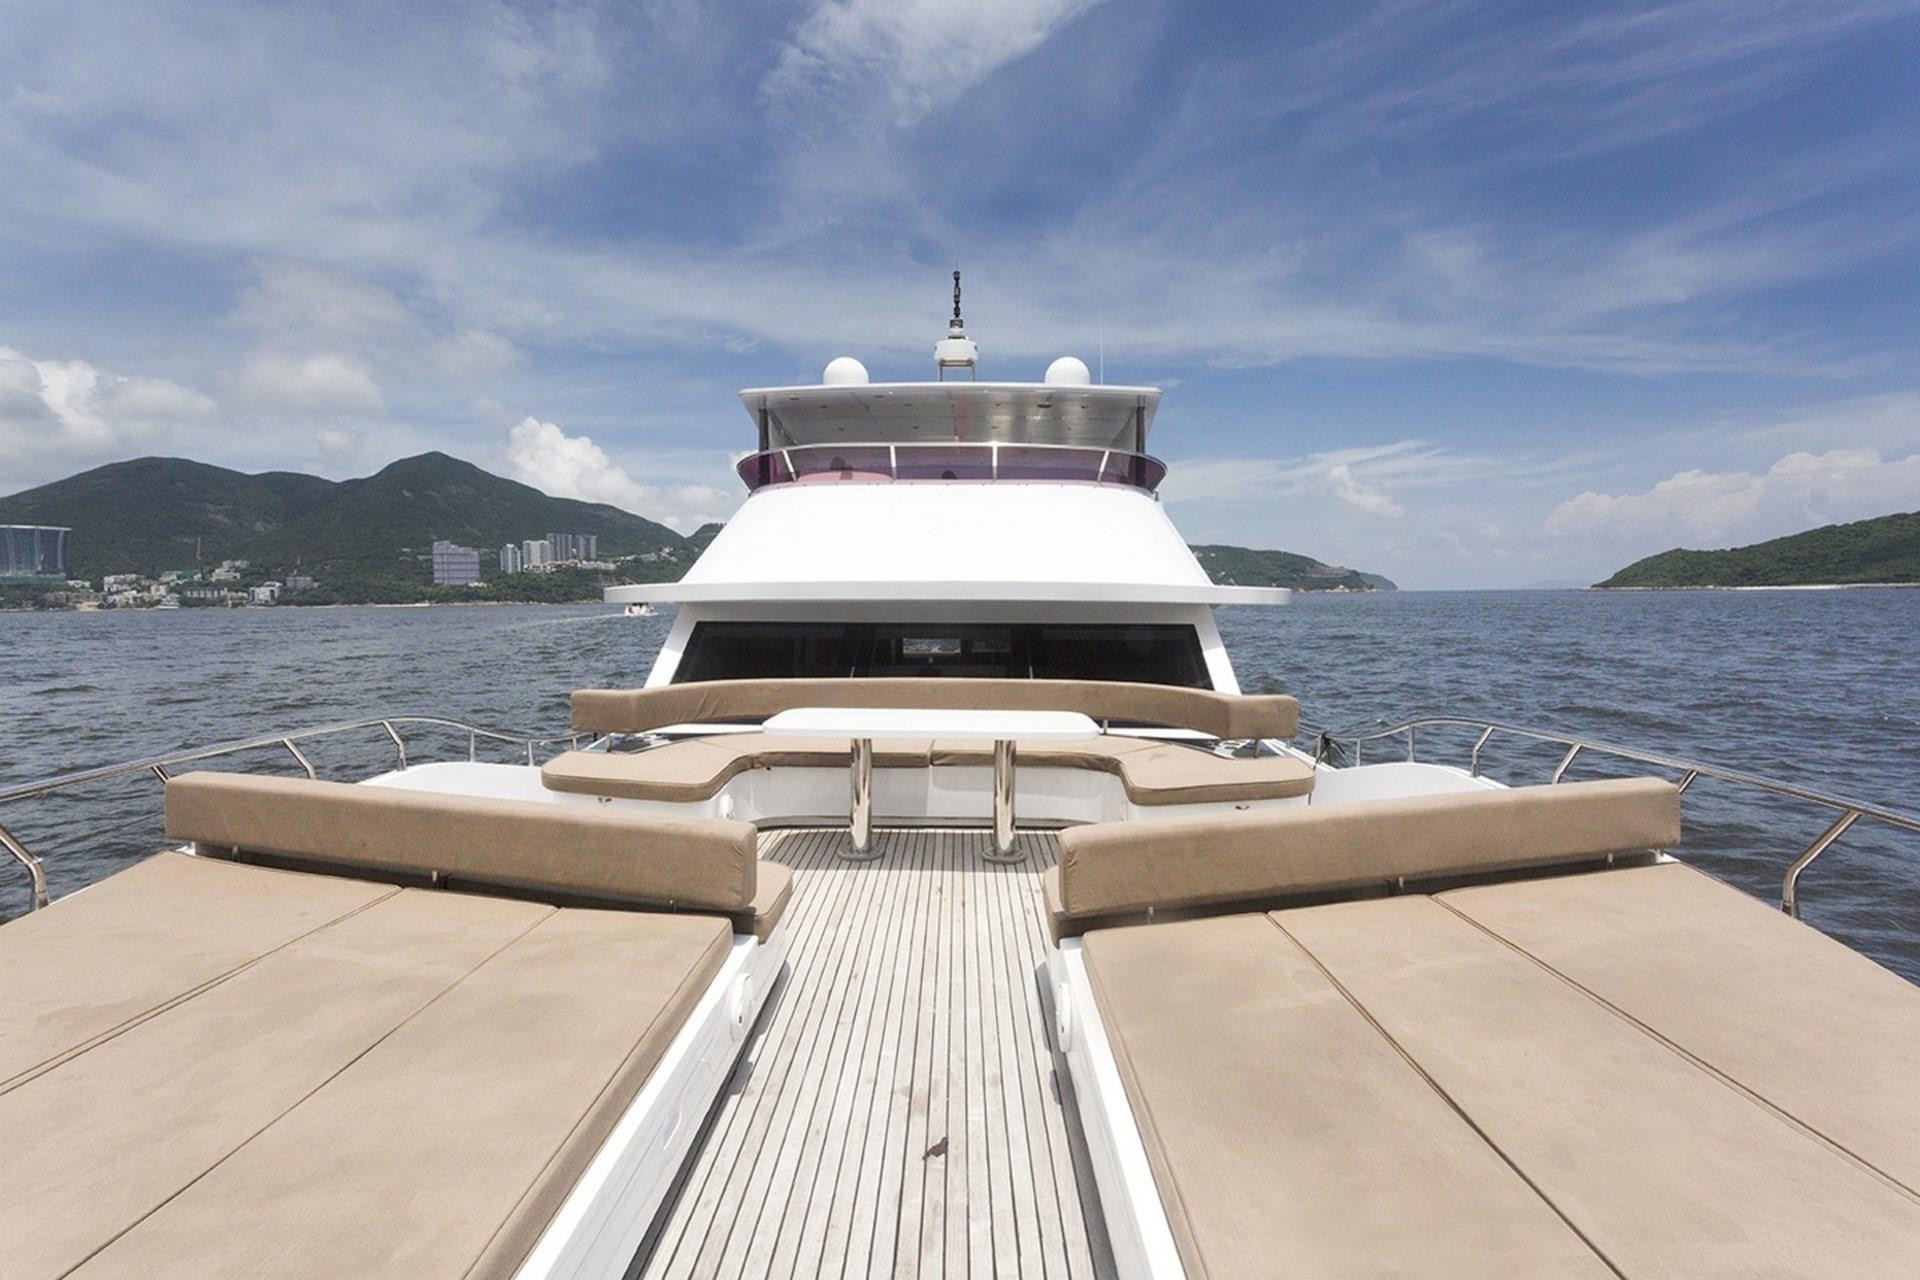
1470 295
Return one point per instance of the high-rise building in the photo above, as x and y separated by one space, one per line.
535 552
562 544
589 546
512 560
455 565
33 551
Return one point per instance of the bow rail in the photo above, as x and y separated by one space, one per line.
162 766
1847 812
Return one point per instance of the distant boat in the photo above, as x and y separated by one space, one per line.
637 611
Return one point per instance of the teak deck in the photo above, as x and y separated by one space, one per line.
898 1111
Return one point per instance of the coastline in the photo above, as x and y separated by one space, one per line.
1785 586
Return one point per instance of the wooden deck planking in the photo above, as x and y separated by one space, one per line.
911 1015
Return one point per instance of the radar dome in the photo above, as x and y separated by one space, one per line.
845 371
1068 371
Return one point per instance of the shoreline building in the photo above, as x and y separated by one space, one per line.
512 559
455 565
33 554
535 552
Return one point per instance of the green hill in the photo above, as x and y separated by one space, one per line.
1244 567
394 517
1882 550
154 514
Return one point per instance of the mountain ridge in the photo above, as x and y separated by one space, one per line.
148 515
375 532
1884 550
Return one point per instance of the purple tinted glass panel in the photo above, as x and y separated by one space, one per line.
836 462
871 464
757 469
945 462
1135 469
1049 464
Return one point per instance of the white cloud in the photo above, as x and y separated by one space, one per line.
58 415
921 54
474 353
546 457
1799 491
303 301
325 382
1342 483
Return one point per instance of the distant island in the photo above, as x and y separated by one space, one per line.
173 533
1883 551
1243 567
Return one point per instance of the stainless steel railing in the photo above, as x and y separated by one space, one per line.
1848 811
162 766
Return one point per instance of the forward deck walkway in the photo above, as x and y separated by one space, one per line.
898 1112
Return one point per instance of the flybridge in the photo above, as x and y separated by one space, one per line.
845 407
953 431
1103 417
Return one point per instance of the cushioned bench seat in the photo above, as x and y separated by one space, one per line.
1153 773
1218 715
695 769
1116 870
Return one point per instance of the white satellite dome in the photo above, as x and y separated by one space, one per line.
844 371
1068 371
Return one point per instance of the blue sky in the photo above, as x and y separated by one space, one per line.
1471 295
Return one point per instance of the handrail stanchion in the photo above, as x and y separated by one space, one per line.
1409 744
162 767
1690 771
1566 762
303 761
399 747
31 863
1790 887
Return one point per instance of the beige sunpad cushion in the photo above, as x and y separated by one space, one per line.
99 960
1665 1167
1287 1137
588 851
1266 854
1812 1026
446 1148
695 769
1155 773
110 1135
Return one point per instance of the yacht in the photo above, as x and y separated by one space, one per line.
941 905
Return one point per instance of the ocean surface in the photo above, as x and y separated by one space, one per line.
1819 688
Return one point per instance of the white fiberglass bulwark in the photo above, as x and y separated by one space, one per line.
1000 541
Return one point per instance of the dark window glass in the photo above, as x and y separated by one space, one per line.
929 649
1058 651
1150 655
771 650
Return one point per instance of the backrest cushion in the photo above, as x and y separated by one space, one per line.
565 850
1270 853
1220 715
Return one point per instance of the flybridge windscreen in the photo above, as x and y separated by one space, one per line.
1151 654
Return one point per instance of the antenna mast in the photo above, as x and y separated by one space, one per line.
956 350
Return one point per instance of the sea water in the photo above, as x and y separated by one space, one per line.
1821 689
